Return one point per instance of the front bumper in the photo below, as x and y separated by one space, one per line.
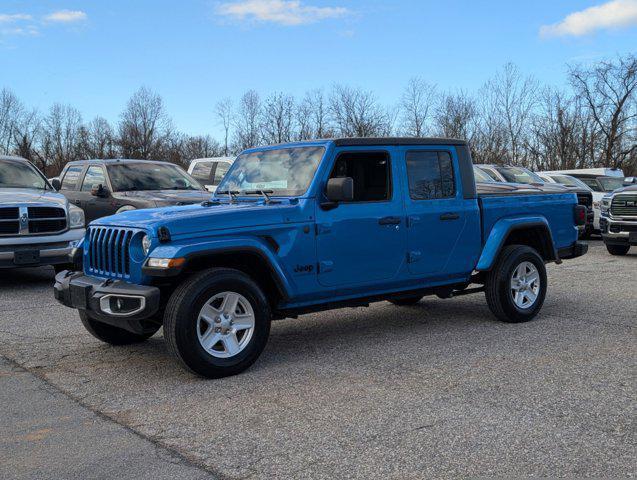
619 232
576 250
99 295
34 251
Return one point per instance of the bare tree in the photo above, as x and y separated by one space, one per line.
416 102
247 121
61 135
144 126
10 113
225 116
26 135
98 139
609 89
456 116
509 101
356 113
277 118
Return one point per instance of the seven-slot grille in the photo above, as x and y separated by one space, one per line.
109 251
32 220
624 205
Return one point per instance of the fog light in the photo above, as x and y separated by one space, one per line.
122 305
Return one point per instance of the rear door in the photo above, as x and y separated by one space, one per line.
363 241
443 228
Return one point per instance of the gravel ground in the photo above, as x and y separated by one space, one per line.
436 390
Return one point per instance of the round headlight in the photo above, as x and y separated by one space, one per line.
76 217
146 244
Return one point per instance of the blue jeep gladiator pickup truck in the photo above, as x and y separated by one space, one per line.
310 226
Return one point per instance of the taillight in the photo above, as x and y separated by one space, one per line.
580 215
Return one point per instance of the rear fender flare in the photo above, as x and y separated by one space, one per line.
501 231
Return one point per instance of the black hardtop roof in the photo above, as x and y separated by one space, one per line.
377 141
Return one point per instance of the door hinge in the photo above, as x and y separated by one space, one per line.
413 256
325 266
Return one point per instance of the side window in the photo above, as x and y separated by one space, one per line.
71 177
430 175
202 172
370 172
222 169
94 176
491 173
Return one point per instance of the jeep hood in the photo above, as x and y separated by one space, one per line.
194 219
25 196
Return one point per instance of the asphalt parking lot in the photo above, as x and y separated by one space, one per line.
436 390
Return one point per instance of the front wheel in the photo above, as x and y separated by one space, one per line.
617 249
516 285
217 322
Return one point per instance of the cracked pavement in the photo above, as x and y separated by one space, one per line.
436 390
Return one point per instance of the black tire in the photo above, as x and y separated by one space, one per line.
406 301
181 316
113 335
617 249
498 284
584 234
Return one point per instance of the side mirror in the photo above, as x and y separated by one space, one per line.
339 190
99 191
55 183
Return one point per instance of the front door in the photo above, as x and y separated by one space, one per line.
95 207
443 228
363 241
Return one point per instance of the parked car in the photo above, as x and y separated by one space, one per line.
37 225
601 181
481 176
584 196
511 174
311 226
106 187
619 220
210 171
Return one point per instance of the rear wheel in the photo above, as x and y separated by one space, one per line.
113 335
217 322
406 301
617 249
516 285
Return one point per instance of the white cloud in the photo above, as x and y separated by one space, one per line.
613 14
283 12
16 17
66 16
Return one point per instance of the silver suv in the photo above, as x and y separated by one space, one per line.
38 226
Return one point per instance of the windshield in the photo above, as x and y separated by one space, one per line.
570 181
20 175
128 177
481 176
610 184
519 175
283 172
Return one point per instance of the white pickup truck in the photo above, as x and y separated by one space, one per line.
38 226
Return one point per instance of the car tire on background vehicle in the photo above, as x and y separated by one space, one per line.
217 322
519 274
406 301
113 335
617 249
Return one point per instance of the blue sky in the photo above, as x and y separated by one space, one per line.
95 54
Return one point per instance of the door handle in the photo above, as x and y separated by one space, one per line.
389 221
449 216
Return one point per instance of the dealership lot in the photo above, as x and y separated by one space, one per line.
439 389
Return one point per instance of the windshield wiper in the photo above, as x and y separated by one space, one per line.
231 194
265 193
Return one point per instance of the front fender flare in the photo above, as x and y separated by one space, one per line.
192 251
501 231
